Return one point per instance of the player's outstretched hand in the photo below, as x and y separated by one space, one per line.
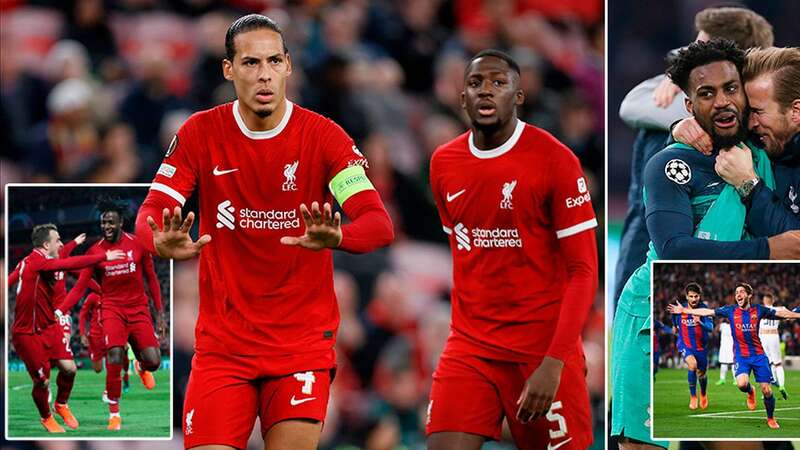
689 132
323 229
677 308
80 239
539 390
785 246
113 255
174 241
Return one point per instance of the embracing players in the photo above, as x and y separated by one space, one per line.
268 314
692 334
744 320
126 311
517 207
38 329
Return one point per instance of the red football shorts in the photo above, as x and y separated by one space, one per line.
37 351
471 394
123 325
97 346
227 392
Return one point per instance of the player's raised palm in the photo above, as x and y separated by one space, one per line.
174 241
323 228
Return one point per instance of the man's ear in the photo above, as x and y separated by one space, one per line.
795 114
227 69
688 104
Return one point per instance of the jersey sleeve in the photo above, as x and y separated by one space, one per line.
570 200
344 162
665 192
177 174
723 311
13 277
438 199
766 313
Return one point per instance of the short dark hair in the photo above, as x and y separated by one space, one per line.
746 286
701 53
247 23
108 204
693 287
41 233
496 54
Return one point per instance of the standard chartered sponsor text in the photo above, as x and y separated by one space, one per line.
496 237
268 220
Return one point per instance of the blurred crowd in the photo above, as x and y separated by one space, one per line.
719 281
93 91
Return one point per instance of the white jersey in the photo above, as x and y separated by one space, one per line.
725 344
770 339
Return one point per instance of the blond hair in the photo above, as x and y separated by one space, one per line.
746 28
783 63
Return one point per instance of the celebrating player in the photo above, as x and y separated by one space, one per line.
693 344
771 341
690 211
91 332
268 315
36 336
125 312
749 354
524 271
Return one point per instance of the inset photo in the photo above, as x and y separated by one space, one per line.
88 317
726 350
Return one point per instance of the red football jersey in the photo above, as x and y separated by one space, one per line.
505 210
39 276
258 296
122 281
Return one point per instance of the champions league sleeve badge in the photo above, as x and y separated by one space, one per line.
678 171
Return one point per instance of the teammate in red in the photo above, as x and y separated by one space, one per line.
37 337
268 315
518 211
91 332
126 311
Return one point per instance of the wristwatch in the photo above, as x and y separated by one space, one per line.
746 188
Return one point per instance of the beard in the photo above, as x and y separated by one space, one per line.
719 141
263 113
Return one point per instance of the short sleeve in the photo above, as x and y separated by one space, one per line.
766 313
666 184
438 199
570 199
177 174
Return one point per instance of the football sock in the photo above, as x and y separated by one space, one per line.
723 370
64 382
703 384
693 383
769 402
40 398
780 375
113 385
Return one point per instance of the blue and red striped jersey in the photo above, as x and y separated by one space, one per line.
744 327
693 331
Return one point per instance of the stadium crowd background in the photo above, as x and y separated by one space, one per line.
718 281
640 35
93 91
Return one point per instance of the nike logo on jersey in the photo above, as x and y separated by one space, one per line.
450 198
218 172
295 402
550 445
712 184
